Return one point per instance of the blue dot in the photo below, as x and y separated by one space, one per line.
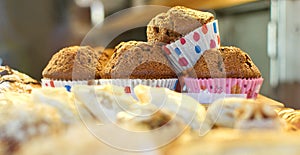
68 88
177 50
197 49
215 27
176 83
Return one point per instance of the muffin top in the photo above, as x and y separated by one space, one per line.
138 60
73 63
174 24
225 62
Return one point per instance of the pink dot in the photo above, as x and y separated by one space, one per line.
52 83
182 61
196 36
212 44
182 41
204 29
127 89
46 84
166 50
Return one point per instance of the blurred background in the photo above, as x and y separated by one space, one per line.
32 31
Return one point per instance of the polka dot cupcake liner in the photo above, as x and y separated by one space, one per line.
249 87
67 84
186 51
129 84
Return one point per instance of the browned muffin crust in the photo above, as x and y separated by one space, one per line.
138 60
225 62
73 63
177 22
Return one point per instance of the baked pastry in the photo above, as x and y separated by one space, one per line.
12 80
104 102
73 63
59 99
67 143
226 62
22 119
221 112
46 111
174 24
138 60
291 116
243 114
257 115
179 105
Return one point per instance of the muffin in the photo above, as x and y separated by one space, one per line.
226 70
72 66
73 63
12 80
187 34
137 62
174 24
226 62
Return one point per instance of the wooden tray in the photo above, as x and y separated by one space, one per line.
269 101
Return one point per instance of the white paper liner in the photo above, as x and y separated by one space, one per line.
185 52
129 84
67 84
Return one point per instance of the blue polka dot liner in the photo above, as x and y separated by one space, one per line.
185 52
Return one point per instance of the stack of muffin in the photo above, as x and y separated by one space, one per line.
219 70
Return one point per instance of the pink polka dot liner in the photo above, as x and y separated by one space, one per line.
249 87
185 52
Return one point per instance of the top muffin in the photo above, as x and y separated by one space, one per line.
174 24
138 60
73 63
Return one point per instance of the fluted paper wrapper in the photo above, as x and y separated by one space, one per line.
129 84
66 83
186 51
224 87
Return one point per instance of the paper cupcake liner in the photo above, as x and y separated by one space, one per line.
248 87
129 84
67 84
186 51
